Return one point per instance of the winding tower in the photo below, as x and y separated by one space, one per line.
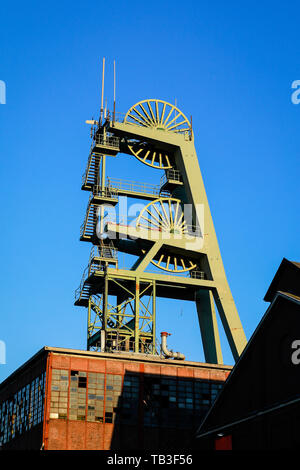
172 238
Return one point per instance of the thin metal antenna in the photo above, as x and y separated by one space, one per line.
114 91
105 109
103 70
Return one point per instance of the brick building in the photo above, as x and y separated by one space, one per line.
71 399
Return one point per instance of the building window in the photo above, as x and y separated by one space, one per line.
101 398
92 396
129 402
23 410
96 388
59 393
176 402
112 396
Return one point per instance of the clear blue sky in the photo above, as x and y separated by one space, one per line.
229 64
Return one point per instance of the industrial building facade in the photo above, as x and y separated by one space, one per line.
71 400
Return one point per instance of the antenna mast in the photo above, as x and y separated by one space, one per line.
114 91
103 70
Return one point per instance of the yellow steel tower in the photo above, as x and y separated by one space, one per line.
173 233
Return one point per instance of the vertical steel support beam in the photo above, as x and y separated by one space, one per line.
137 316
119 310
105 303
188 165
89 322
231 321
209 327
154 318
103 169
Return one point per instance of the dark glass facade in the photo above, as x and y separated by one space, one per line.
99 397
23 410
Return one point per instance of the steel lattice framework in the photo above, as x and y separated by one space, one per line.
183 250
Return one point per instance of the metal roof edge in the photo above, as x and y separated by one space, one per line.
120 356
237 365
138 357
22 366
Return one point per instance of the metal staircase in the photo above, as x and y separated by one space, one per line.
88 228
101 256
90 176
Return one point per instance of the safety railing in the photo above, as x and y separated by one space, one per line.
121 220
89 270
85 217
171 174
197 274
107 141
132 186
84 177
113 116
190 230
81 229
103 251
92 155
78 291
105 192
120 117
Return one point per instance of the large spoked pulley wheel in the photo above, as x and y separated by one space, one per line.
146 154
156 114
166 215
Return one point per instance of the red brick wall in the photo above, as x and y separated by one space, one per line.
76 435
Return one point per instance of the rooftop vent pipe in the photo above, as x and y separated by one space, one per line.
166 352
102 340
